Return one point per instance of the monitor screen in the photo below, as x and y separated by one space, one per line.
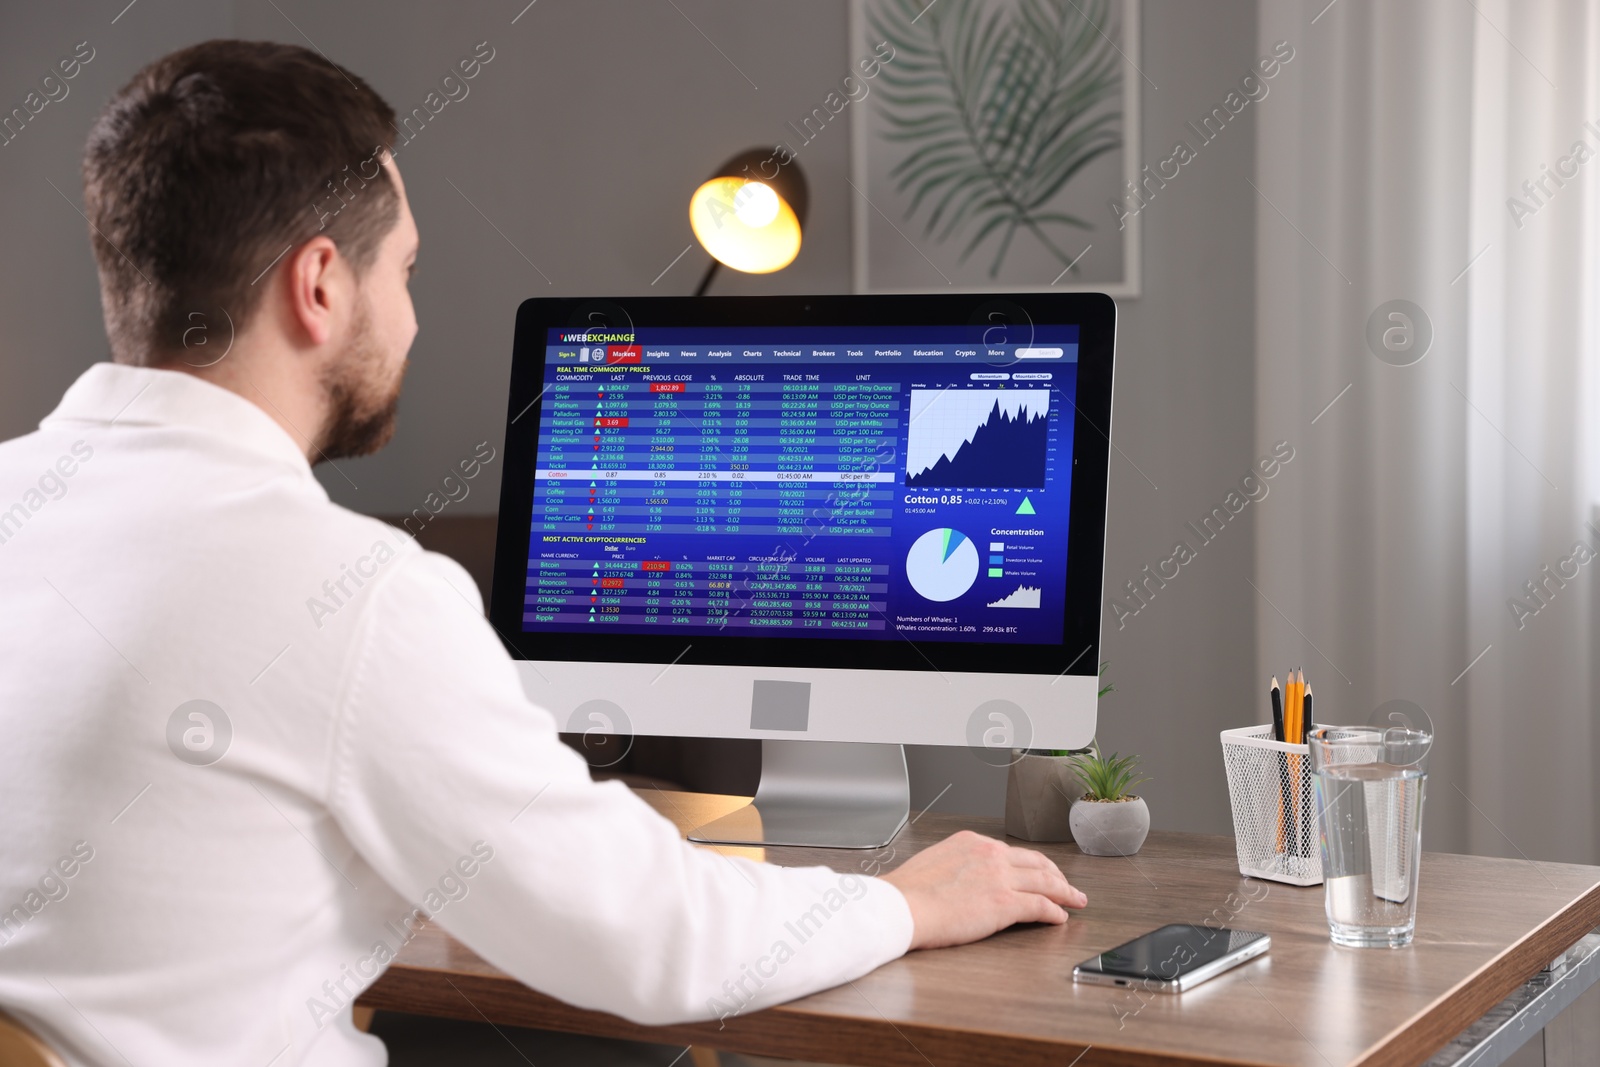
846 481
811 481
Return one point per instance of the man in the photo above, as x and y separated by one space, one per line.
225 814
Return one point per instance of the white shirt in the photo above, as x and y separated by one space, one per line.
163 541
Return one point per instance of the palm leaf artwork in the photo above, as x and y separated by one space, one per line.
998 107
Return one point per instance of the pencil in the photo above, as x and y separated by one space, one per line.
1291 716
1305 731
1277 711
1300 704
1283 774
1296 706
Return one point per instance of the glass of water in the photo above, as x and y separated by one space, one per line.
1369 784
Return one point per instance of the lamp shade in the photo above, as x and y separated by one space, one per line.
749 214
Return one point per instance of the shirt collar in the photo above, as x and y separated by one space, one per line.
122 395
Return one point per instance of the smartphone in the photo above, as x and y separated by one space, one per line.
1176 957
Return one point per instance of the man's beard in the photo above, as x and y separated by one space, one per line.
361 406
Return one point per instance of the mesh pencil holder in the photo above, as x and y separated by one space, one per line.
1274 807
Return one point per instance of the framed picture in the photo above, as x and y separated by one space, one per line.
993 145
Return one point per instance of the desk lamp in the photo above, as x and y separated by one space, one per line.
749 214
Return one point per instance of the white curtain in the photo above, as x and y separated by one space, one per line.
1431 541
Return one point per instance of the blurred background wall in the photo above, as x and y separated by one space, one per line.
566 171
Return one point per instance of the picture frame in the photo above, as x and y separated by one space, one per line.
925 215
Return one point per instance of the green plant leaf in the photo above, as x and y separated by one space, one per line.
1105 778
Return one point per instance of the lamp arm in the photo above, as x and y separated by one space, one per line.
705 279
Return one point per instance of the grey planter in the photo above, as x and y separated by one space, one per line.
1110 827
1039 792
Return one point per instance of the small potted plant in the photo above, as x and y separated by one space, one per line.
1108 820
1040 785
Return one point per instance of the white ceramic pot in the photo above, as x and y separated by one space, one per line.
1110 827
1039 792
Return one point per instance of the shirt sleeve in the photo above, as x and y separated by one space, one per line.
579 889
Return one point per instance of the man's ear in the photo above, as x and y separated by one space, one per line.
312 274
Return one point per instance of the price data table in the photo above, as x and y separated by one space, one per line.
783 458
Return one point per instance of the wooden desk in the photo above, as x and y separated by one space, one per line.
1484 926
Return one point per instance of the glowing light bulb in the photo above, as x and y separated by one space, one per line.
755 205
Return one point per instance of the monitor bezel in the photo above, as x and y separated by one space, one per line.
1078 652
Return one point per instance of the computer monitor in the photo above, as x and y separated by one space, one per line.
839 524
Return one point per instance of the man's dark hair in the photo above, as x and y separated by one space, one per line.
211 163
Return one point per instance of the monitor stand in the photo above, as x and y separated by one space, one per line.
825 794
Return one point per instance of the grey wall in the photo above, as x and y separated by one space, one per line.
576 148
50 326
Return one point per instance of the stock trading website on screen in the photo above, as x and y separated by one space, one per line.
822 481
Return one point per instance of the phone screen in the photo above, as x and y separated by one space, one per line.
1172 951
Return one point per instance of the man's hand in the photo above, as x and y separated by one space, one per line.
969 886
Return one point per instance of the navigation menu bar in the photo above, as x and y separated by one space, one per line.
625 354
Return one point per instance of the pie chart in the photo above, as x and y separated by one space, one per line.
942 564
